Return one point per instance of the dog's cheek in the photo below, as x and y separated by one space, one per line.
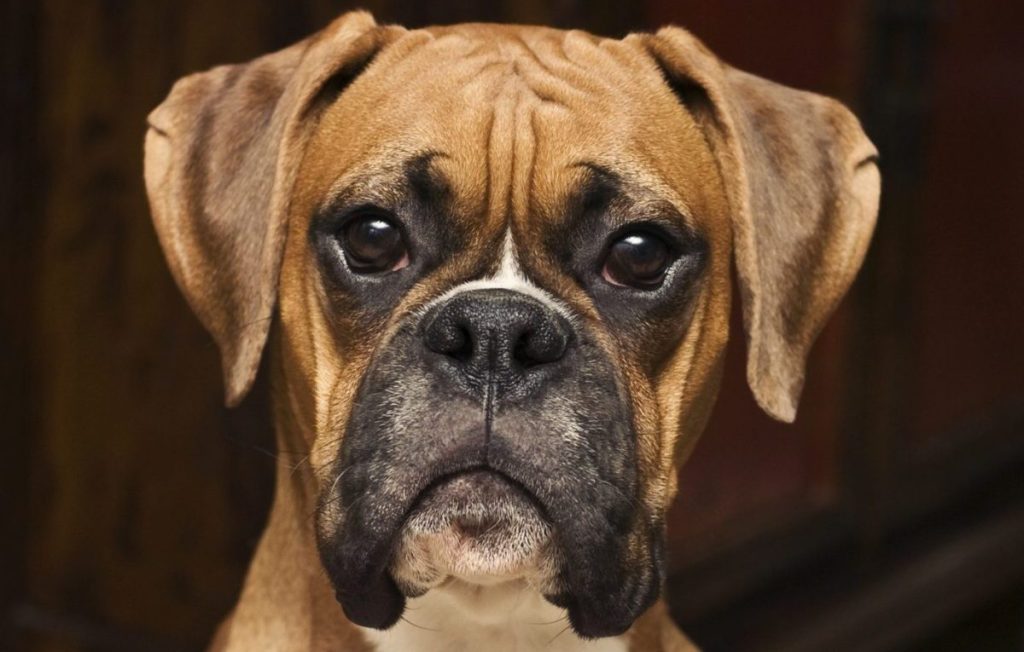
324 345
337 382
612 588
346 338
639 391
646 565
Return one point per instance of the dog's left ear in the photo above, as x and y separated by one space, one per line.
222 152
803 189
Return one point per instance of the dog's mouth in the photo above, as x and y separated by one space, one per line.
479 526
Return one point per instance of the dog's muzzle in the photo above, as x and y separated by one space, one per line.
491 409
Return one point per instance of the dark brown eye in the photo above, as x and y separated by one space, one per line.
638 259
373 244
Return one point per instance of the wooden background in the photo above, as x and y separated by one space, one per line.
890 512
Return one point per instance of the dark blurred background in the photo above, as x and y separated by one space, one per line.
890 517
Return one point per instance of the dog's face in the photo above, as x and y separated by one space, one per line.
501 263
485 301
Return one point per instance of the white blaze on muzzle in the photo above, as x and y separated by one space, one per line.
508 276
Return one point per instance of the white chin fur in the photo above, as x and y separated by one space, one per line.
514 544
463 617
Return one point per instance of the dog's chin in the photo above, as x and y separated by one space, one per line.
477 527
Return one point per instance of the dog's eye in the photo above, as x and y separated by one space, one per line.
637 259
373 244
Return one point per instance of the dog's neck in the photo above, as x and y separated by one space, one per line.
461 617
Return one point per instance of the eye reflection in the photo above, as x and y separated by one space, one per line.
373 244
637 259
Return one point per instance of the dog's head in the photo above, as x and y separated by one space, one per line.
500 261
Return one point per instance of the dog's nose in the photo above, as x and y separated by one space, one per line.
497 333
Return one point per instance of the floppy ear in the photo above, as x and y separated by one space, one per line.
221 155
803 187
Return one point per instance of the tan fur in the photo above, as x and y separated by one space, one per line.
239 158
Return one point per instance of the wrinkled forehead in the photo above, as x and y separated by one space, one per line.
511 119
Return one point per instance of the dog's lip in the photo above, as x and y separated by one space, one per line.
483 471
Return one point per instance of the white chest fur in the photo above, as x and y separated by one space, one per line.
509 617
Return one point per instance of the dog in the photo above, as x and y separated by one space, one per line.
493 266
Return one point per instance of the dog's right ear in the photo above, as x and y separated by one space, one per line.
803 185
221 156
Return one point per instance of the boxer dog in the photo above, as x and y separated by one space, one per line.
493 267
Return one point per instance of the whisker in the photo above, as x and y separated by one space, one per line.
564 630
552 622
295 467
257 321
426 629
334 499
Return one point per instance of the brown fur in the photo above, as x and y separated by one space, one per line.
783 180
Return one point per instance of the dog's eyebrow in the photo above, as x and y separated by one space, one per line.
385 184
602 188
596 168
428 183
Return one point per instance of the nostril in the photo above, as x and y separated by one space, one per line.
522 351
540 346
448 337
462 345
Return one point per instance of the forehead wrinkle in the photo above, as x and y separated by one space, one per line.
564 88
524 155
543 70
501 150
535 56
511 135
